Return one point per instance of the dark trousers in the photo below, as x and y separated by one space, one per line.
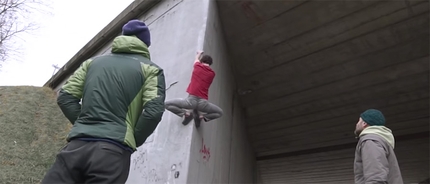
89 162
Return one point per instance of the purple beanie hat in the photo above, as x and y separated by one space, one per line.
139 29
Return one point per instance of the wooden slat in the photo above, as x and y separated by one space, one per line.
344 162
338 165
348 50
367 20
309 158
374 61
333 155
343 132
333 117
293 147
344 86
334 132
337 147
241 16
306 144
345 175
357 23
379 92
337 171
322 129
295 21
326 171
343 167
348 112
321 168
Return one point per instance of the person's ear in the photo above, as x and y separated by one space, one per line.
365 125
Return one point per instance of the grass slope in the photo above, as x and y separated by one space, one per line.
32 131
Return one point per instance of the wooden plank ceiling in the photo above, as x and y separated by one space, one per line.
337 166
307 69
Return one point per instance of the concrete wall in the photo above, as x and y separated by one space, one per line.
217 152
175 26
221 152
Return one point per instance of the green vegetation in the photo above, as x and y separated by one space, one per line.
32 131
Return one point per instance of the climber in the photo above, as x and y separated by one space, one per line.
196 106
110 125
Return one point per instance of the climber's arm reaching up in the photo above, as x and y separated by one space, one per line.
198 56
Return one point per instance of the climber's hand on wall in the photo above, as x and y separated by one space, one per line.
199 55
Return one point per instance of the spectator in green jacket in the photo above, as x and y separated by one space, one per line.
375 160
110 124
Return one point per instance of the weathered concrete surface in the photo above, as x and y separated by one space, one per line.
167 152
220 151
217 152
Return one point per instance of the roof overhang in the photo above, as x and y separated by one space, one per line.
108 33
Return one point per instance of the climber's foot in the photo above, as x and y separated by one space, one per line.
188 116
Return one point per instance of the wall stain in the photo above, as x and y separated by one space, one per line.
205 152
250 11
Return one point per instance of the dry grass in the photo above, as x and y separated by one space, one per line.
32 131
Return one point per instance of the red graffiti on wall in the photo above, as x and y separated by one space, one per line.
205 151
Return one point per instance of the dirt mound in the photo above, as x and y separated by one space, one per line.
32 130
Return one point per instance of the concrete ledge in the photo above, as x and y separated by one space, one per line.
108 33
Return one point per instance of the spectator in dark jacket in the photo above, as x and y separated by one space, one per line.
110 124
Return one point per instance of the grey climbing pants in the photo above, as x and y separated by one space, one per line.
208 110
89 162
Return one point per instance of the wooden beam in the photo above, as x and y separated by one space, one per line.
354 25
353 101
307 143
241 16
338 147
331 166
336 165
427 181
322 165
403 32
334 116
320 160
349 85
339 129
302 18
328 136
371 62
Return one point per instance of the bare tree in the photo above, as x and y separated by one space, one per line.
15 20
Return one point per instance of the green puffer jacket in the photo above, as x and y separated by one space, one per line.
115 89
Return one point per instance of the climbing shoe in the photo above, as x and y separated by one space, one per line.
187 118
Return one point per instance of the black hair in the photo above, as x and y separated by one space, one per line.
206 59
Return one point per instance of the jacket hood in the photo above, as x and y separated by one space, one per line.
382 131
131 45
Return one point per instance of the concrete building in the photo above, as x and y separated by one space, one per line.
292 78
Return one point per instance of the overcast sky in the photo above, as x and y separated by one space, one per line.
72 24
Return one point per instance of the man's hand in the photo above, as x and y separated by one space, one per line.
199 55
